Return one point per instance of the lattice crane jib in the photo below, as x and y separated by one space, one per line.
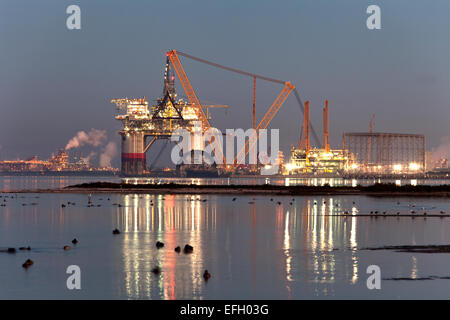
195 103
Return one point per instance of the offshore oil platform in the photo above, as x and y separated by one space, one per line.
158 122
141 122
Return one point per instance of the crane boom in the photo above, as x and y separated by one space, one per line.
188 89
288 87
194 101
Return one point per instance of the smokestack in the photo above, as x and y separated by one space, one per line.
326 141
305 128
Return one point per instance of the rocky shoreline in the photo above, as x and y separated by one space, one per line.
380 190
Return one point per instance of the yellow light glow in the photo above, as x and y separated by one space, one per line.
397 167
290 166
414 166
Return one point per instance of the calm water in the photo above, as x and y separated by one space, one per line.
254 250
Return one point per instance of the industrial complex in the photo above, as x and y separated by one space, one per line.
361 154
59 163
367 153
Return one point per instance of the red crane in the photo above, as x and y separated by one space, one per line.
288 88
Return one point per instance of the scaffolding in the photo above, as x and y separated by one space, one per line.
386 153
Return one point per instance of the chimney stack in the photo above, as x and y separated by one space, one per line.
305 128
326 141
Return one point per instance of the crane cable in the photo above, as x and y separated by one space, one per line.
159 154
230 69
253 76
300 103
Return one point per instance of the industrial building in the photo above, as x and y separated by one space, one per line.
323 161
317 161
362 153
386 153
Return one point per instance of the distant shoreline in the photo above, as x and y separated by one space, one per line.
377 190
164 175
84 174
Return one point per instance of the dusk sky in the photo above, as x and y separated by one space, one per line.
55 82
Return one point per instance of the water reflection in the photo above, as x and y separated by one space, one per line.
313 228
307 231
175 221
303 247
286 181
414 269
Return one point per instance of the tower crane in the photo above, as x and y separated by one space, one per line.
175 60
369 140
372 120
276 105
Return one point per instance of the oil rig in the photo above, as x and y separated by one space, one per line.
158 122
141 122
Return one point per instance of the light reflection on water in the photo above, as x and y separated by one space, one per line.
165 216
286 181
253 247
161 214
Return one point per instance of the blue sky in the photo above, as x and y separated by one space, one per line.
55 82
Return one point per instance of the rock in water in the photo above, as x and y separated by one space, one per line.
188 249
27 263
156 270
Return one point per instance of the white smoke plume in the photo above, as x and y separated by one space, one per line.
94 138
109 152
87 159
443 150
